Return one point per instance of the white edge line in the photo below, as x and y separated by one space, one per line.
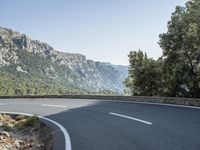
53 105
151 103
131 118
163 104
65 133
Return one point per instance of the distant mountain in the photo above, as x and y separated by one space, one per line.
31 67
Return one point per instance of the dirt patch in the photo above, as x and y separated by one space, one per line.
19 132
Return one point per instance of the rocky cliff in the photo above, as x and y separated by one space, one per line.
21 55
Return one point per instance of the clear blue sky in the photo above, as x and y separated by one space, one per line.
103 30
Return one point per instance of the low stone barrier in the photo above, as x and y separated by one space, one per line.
166 100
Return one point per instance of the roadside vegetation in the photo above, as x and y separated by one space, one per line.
19 132
177 72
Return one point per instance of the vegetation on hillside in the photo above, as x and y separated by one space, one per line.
24 85
34 81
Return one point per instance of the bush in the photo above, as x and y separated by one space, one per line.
6 127
29 122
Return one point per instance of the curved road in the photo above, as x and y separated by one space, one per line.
108 125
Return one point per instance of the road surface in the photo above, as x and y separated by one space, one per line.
108 125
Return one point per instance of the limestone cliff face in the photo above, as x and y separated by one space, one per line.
19 50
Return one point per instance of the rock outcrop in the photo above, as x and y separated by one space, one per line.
72 69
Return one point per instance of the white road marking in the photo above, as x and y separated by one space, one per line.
1 104
131 118
47 105
64 131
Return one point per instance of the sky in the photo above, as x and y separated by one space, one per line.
103 30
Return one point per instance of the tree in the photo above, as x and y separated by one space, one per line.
181 51
144 74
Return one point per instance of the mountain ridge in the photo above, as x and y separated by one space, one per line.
21 53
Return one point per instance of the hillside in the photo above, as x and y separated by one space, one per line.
31 67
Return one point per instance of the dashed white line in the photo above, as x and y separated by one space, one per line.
131 118
47 105
1 104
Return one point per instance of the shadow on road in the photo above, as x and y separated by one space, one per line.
93 128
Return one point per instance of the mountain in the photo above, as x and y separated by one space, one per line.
29 66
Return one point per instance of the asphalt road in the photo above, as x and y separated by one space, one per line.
108 125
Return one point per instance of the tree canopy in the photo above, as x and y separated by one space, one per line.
177 72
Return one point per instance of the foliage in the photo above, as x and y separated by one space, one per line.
32 121
6 127
144 74
19 85
39 75
181 51
177 72
37 81
23 84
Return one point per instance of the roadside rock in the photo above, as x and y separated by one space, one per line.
24 133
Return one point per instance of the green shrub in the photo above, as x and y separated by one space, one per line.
6 127
29 122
